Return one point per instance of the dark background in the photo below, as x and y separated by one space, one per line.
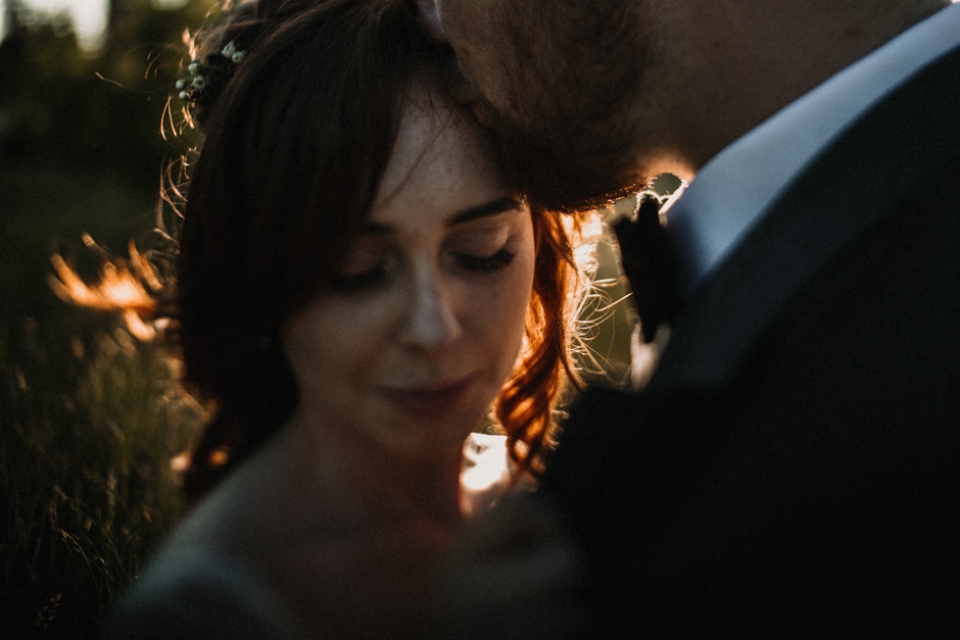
89 417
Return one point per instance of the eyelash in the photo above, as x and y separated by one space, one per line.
486 264
369 279
379 274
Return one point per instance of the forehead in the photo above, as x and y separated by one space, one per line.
442 160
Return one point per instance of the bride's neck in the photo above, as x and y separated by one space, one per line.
357 477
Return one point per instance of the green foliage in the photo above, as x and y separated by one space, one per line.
63 105
89 419
86 485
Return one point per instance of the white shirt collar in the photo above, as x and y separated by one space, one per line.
730 194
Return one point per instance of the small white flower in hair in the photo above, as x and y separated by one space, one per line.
199 82
233 53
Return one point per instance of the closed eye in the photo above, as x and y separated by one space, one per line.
485 264
369 279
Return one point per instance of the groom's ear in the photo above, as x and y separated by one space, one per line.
430 17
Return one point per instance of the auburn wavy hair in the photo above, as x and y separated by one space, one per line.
526 404
295 140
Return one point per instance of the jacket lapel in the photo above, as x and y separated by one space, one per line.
872 168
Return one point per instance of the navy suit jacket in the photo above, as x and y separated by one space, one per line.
793 468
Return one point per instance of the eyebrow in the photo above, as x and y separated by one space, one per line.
486 210
491 208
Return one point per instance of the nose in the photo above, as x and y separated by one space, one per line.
431 321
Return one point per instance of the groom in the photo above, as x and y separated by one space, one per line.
793 467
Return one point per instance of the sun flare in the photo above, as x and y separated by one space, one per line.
126 286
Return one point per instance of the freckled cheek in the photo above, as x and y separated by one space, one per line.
499 314
337 344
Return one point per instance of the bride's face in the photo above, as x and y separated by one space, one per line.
423 324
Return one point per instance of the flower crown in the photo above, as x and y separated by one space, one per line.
200 75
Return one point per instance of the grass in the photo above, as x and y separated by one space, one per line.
89 418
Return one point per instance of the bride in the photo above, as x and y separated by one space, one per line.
357 285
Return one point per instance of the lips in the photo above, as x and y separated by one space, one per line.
429 400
